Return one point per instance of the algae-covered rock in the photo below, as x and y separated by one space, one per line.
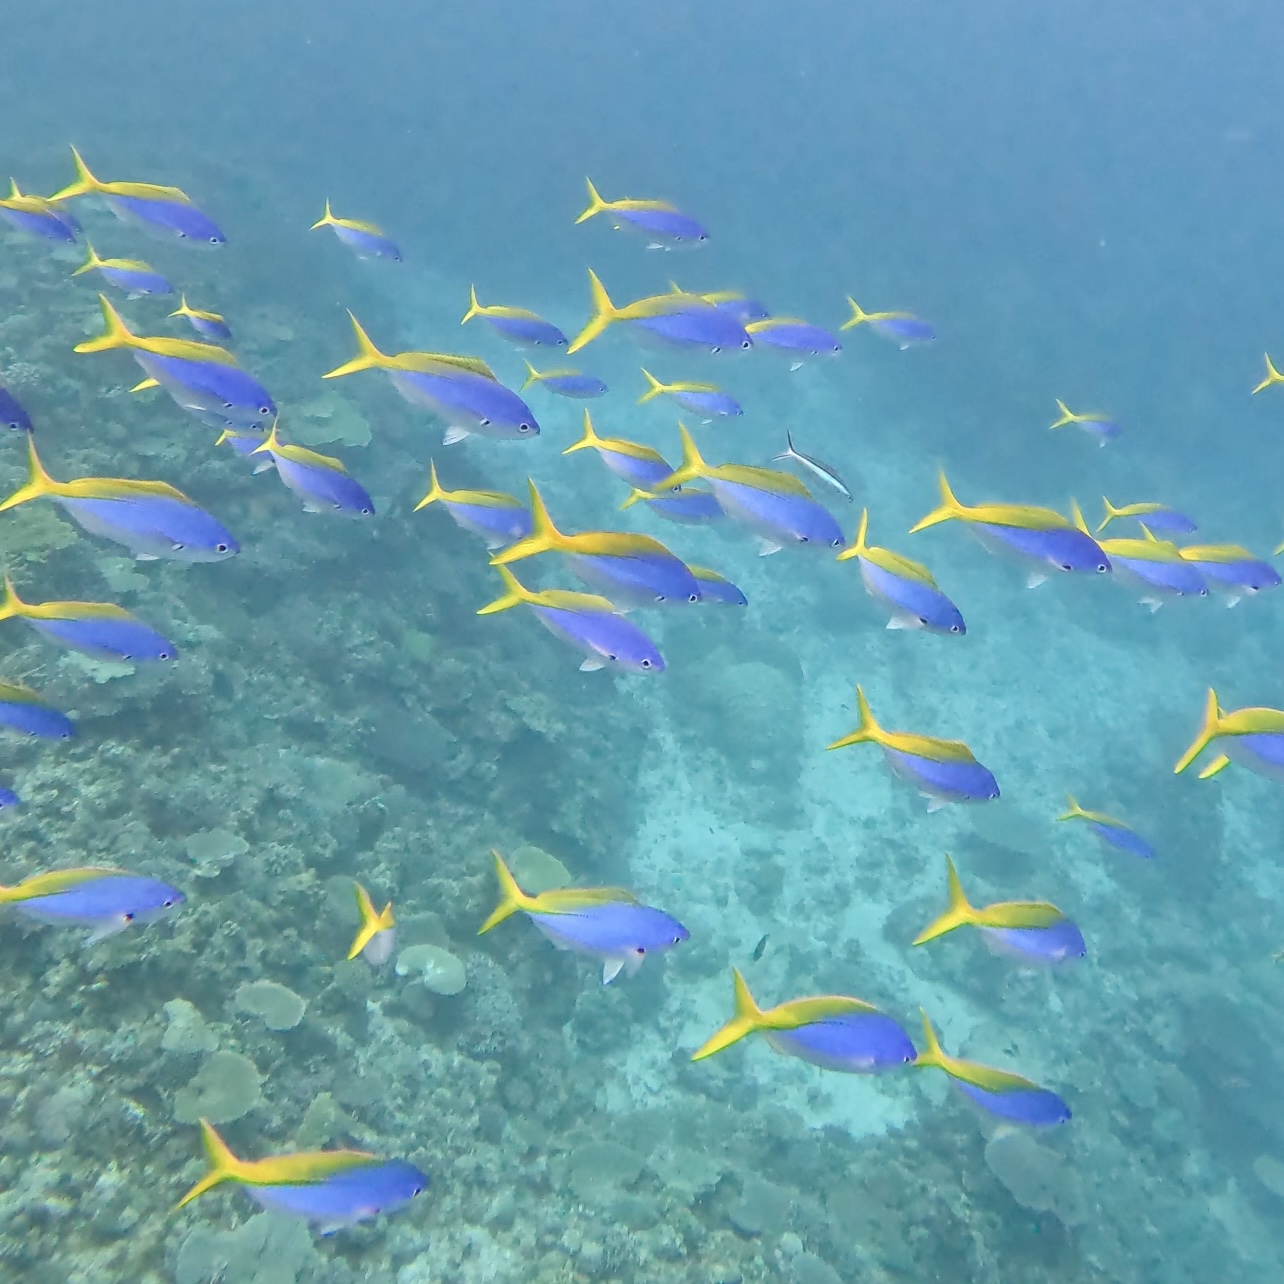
185 1030
537 871
687 1174
212 850
439 970
277 1006
270 1248
322 1122
1037 1177
33 531
226 1087
762 1208
599 1169
328 418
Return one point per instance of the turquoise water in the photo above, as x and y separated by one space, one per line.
1083 202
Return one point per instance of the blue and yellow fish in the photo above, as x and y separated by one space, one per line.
1155 566
1273 376
202 378
796 338
775 505
902 328
832 1031
664 226
1158 517
1102 427
633 570
1038 535
1253 738
99 629
376 938
1231 570
37 216
687 506
23 710
209 325
566 383
500 519
741 306
1029 931
905 587
133 276
333 1188
680 320
1009 1097
150 518
461 390
943 771
643 467
320 481
365 239
717 588
518 325
1111 831
704 399
12 414
104 900
589 623
608 923
168 210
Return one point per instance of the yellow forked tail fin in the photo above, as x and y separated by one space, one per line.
947 511
326 219
373 921
958 912
747 1019
655 388
39 482
515 595
858 314
596 204
115 335
85 182
604 312
368 356
532 376
474 308
867 729
588 441
435 491
511 897
543 537
1208 732
224 1166
858 545
1272 375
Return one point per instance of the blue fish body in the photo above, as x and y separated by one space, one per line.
1123 838
135 281
1172 579
1038 1107
1262 752
708 405
641 474
48 224
367 244
744 310
34 718
798 338
780 519
468 401
1168 521
324 490
225 394
705 327
943 781
178 219
496 524
108 903
1064 550
621 933
720 591
1059 942
154 526
905 332
686 507
218 332
8 799
605 637
636 581
106 638
853 1043
663 225
12 415
342 1199
580 386
526 332
912 602
1250 574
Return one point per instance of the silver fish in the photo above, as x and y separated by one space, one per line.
815 466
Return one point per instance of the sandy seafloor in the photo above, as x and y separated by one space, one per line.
337 712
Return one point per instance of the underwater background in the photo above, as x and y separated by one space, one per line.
1083 198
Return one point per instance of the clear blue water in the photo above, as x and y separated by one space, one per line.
1083 201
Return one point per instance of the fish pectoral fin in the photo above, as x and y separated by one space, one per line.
1233 600
592 664
1034 579
611 969
109 927
262 468
146 557
766 547
795 365
453 434
1152 603
934 803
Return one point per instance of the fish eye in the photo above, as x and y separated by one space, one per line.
836 543
520 427
641 950
746 345
129 918
802 539
164 655
693 597
485 423
715 350
1102 568
954 628
646 664
169 904
214 240
366 512
220 548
